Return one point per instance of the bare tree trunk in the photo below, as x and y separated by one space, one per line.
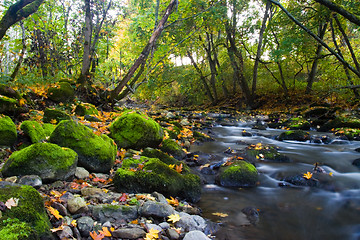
209 49
16 12
21 58
314 67
259 47
145 53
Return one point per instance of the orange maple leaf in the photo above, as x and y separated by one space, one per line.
179 168
307 175
96 236
105 232
173 201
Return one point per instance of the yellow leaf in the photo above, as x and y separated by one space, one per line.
173 201
307 175
105 232
172 166
174 218
73 223
53 121
57 229
331 174
54 212
219 214
152 234
22 102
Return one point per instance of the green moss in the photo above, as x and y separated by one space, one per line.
238 174
350 133
341 122
266 153
13 229
8 133
298 123
34 130
47 160
154 175
55 114
201 136
96 153
62 92
134 130
30 208
297 135
48 129
86 109
170 146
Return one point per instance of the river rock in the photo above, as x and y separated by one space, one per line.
76 205
81 173
238 174
136 131
57 115
85 225
33 130
356 162
153 226
171 147
86 109
189 222
296 135
156 209
114 213
47 160
299 180
96 153
195 235
8 132
172 234
31 180
65 233
129 233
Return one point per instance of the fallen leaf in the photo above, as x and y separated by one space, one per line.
54 212
174 218
219 214
105 232
307 175
96 236
179 168
60 228
173 201
12 202
152 234
123 197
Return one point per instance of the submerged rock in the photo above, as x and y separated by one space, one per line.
137 131
49 161
8 132
96 153
238 174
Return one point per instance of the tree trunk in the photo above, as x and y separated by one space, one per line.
209 49
21 58
314 67
259 47
16 12
145 53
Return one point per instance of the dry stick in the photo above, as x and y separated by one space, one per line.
316 38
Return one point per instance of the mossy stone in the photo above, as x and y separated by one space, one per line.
48 128
296 135
7 105
14 229
86 109
33 130
170 146
55 114
151 174
62 92
137 131
30 208
8 132
298 123
7 91
96 153
265 153
47 160
238 174
340 122
202 137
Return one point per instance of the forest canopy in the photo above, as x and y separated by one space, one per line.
183 52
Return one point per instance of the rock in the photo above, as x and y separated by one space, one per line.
65 233
265 153
96 153
159 197
8 105
62 92
172 234
238 174
137 131
33 130
81 173
340 122
195 235
31 180
156 176
7 91
48 129
316 112
51 115
62 210
114 213
153 226
299 180
252 214
296 135
85 225
156 209
13 228
8 133
184 122
30 211
356 162
91 118
156 153
86 109
49 161
76 205
189 222
129 233
202 137
164 225
171 147
91 191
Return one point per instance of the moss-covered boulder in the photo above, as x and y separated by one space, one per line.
349 133
48 129
151 174
238 174
47 160
7 91
296 135
86 109
96 153
33 130
298 123
137 131
61 92
265 153
8 105
8 132
29 210
171 147
202 137
51 115
340 122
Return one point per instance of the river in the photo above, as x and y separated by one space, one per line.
286 212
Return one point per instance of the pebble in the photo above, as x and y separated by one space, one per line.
129 233
156 209
172 234
81 173
85 225
76 205
195 235
153 226
189 222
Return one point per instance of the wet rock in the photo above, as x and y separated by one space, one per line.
164 225
76 205
172 234
85 225
356 162
31 180
159 197
252 214
129 233
153 226
114 213
265 153
244 133
156 209
238 174
81 173
91 191
65 233
299 180
296 135
195 235
62 210
190 222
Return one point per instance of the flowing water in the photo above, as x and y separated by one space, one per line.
285 212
